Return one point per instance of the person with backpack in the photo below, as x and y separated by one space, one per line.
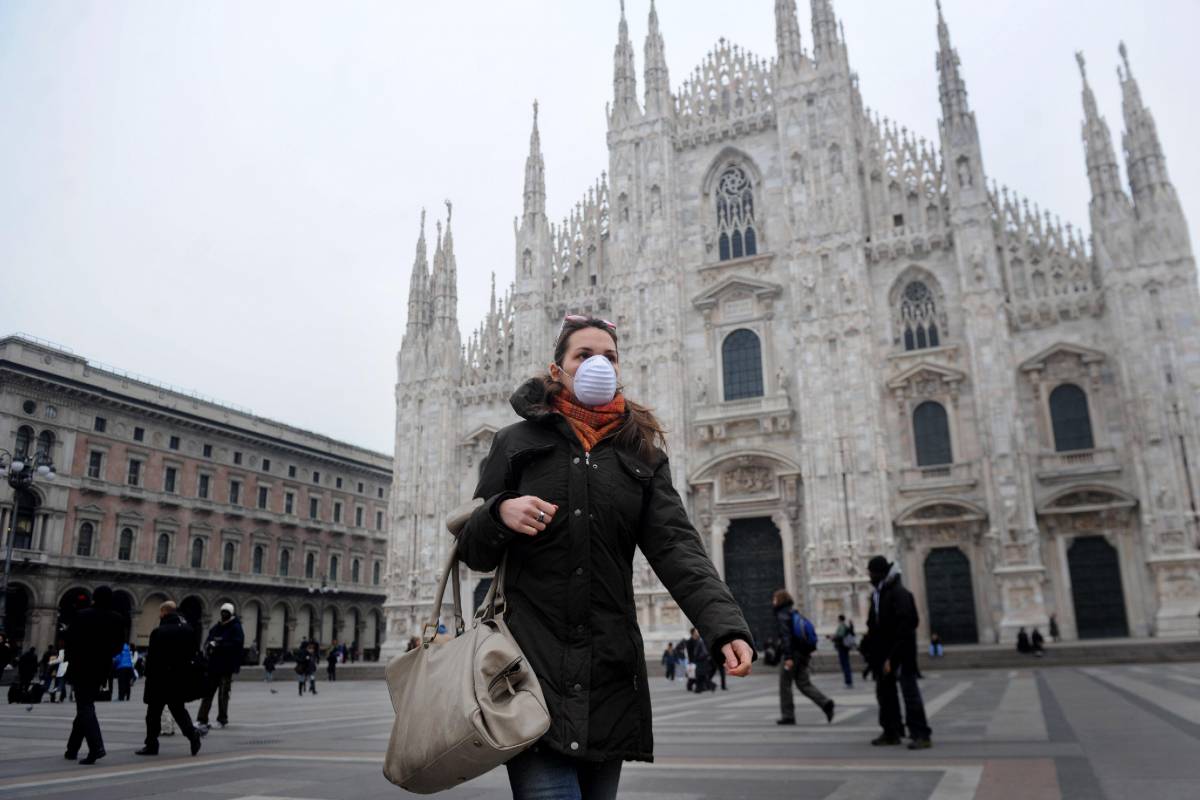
797 642
845 641
123 666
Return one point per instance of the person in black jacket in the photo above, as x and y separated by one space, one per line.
570 492
891 651
92 639
224 650
795 654
168 677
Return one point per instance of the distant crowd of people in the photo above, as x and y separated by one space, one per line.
177 667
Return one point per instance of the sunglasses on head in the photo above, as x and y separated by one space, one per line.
582 318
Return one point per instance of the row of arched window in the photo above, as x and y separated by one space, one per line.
45 443
86 540
1070 422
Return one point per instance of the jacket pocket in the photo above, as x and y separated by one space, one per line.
632 481
535 471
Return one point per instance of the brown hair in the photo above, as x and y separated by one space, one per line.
782 597
641 433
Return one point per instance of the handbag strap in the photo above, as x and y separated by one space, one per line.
493 603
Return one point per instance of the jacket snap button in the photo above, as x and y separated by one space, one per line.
574 745
595 466
578 512
576 460
636 470
579 570
579 687
579 628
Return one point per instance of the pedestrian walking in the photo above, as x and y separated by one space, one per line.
570 492
1023 645
306 667
59 666
331 662
797 642
698 662
935 646
170 679
93 638
224 650
269 664
46 668
891 651
123 665
27 668
1054 629
843 642
668 662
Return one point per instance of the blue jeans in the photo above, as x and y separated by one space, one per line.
844 661
542 774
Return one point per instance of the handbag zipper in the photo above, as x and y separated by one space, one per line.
505 675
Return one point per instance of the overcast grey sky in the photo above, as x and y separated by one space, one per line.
225 195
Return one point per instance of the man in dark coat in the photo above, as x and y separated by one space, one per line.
796 655
891 651
569 588
168 674
224 650
27 666
92 639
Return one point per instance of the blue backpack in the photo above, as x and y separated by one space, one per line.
803 630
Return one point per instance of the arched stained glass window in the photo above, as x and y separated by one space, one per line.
24 439
736 235
310 565
931 429
162 551
1070 419
918 317
375 576
334 563
83 545
285 558
354 571
125 545
197 553
257 565
227 558
45 444
741 359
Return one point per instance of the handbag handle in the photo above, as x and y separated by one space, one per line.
493 603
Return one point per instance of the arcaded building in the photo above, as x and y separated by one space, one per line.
859 342
162 494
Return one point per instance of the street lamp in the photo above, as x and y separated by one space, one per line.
324 590
20 470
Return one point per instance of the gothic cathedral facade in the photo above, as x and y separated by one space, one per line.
858 344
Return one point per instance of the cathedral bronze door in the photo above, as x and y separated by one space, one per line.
1096 589
949 596
753 570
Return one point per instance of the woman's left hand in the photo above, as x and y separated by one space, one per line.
738 657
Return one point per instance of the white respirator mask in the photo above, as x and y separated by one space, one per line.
595 382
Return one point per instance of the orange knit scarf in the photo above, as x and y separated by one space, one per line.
591 424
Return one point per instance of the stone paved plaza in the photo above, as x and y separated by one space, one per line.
1095 732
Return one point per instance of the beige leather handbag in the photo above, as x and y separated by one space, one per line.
467 705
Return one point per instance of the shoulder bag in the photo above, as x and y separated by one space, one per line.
467 705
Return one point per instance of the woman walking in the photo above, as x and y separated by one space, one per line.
569 492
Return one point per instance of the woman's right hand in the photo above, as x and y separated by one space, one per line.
527 514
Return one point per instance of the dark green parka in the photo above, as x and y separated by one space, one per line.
570 588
